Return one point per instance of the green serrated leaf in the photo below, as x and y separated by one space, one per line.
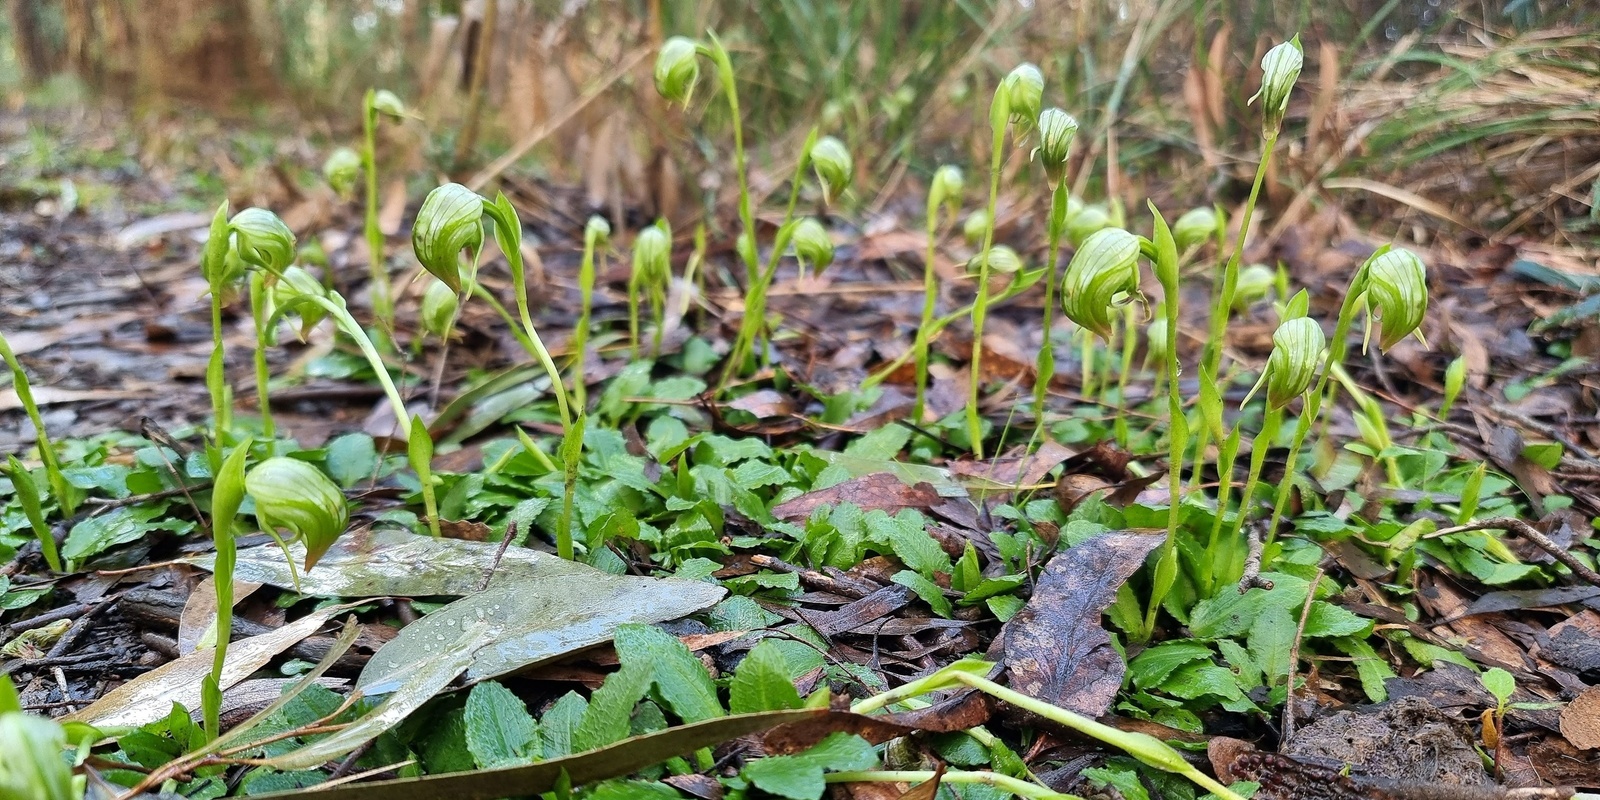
680 679
799 777
500 732
560 724
1271 639
1372 668
611 708
761 683
925 589
351 459
1153 666
1327 620
1500 683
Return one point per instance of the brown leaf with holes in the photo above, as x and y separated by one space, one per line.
879 490
1054 646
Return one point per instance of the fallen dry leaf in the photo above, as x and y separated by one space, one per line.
876 491
1055 647
1580 720
150 696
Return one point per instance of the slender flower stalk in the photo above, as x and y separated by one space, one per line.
260 311
652 271
1162 251
1057 129
219 277
381 102
227 494
944 191
999 118
596 237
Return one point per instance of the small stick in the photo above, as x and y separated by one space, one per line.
1294 662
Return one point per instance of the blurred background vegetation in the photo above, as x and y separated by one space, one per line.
1482 114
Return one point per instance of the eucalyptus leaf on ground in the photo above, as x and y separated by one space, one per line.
150 696
537 619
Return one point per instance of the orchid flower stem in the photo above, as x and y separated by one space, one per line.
1222 304
382 304
1353 301
719 55
999 116
930 302
1006 783
1018 286
216 374
258 313
1142 746
341 317
1270 425
1045 369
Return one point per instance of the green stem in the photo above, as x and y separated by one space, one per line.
1162 252
216 373
1142 746
1130 340
1313 400
1019 284
633 315
1258 457
930 301
500 308
1020 788
341 317
580 334
999 115
1211 356
1046 368
47 451
719 55
1227 453
258 313
382 307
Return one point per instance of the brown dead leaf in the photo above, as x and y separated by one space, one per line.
879 490
200 611
928 789
797 736
1580 720
466 530
1054 646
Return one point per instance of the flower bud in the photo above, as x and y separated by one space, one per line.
450 220
1195 227
1255 283
1056 131
31 762
295 496
972 229
1296 353
1086 222
945 189
833 166
1455 378
1024 88
290 295
388 103
1104 267
341 170
1157 342
652 254
214 258
263 240
1397 288
439 306
1002 259
1280 68
677 69
813 244
596 233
